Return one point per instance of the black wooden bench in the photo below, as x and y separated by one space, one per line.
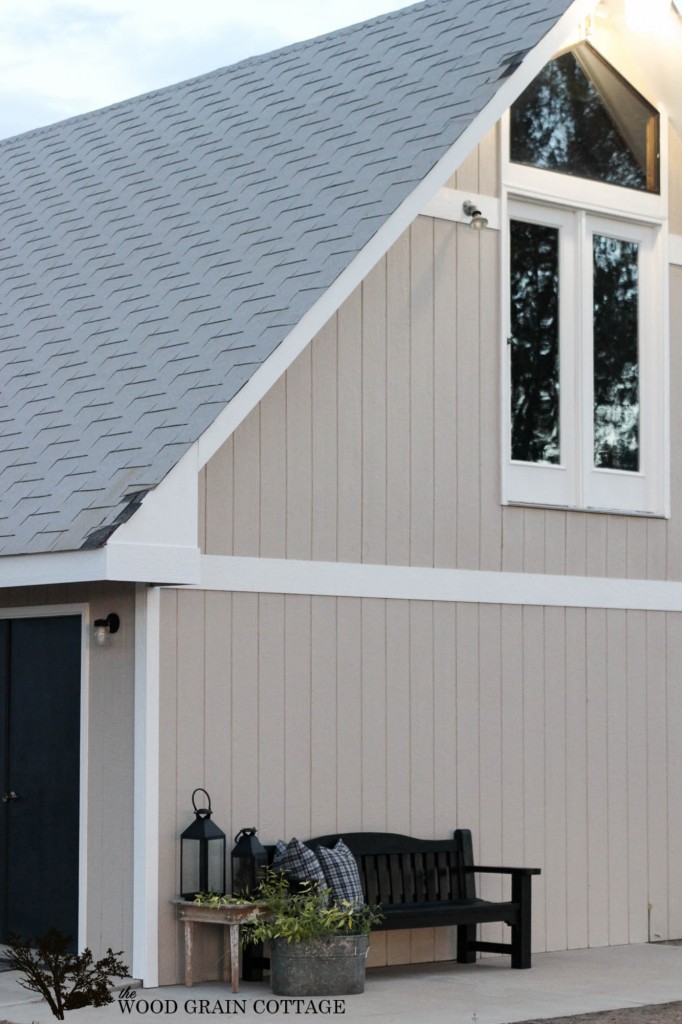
427 883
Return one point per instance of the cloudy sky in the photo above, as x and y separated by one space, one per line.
59 58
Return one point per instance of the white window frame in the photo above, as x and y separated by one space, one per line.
578 208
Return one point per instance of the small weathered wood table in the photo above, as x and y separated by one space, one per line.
231 917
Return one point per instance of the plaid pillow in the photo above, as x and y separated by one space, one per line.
299 862
341 873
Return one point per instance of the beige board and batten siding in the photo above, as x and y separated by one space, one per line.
381 444
110 704
309 715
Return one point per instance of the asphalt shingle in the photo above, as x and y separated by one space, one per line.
155 253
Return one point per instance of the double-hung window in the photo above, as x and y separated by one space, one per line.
585 400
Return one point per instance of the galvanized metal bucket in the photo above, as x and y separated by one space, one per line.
319 967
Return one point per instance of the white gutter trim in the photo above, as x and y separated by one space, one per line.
410 583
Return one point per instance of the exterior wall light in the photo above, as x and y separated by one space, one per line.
478 221
103 628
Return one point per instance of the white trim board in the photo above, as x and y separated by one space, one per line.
408 583
146 787
133 563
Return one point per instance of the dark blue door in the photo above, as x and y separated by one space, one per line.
40 685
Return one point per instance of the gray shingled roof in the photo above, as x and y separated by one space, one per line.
153 254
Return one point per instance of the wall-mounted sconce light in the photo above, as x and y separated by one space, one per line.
478 221
103 628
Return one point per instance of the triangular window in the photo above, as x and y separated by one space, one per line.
580 117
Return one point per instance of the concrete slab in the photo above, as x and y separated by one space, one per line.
489 992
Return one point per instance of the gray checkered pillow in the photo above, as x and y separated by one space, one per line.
341 873
298 861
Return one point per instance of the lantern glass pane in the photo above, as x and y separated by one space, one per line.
216 869
190 867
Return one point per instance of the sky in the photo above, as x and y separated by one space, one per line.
59 58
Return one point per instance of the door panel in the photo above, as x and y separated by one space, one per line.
39 845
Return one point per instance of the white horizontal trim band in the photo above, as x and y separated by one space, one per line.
407 583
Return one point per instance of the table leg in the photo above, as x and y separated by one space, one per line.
234 956
188 953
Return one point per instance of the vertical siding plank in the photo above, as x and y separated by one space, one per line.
674 748
273 466
656 548
349 406
444 739
245 721
512 735
217 702
616 546
619 911
398 411
374 415
422 393
468 410
512 539
534 800
325 762
576 544
247 498
556 838
637 533
444 398
597 793
489 163
373 716
657 825
577 783
468 752
555 542
299 457
324 442
421 736
637 772
220 501
349 712
534 540
297 706
398 750
490 757
489 404
596 545
271 717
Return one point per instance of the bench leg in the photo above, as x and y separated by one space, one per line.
521 932
466 937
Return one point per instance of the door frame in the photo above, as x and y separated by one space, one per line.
57 611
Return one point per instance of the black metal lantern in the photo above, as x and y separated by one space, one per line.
202 854
249 861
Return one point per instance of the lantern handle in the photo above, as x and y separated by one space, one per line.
202 812
245 832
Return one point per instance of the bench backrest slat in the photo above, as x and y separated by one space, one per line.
397 869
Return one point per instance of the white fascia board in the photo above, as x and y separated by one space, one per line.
412 583
315 319
132 563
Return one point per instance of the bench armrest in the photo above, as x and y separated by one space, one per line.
502 871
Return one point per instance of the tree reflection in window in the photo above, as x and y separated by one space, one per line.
534 342
616 360
580 117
